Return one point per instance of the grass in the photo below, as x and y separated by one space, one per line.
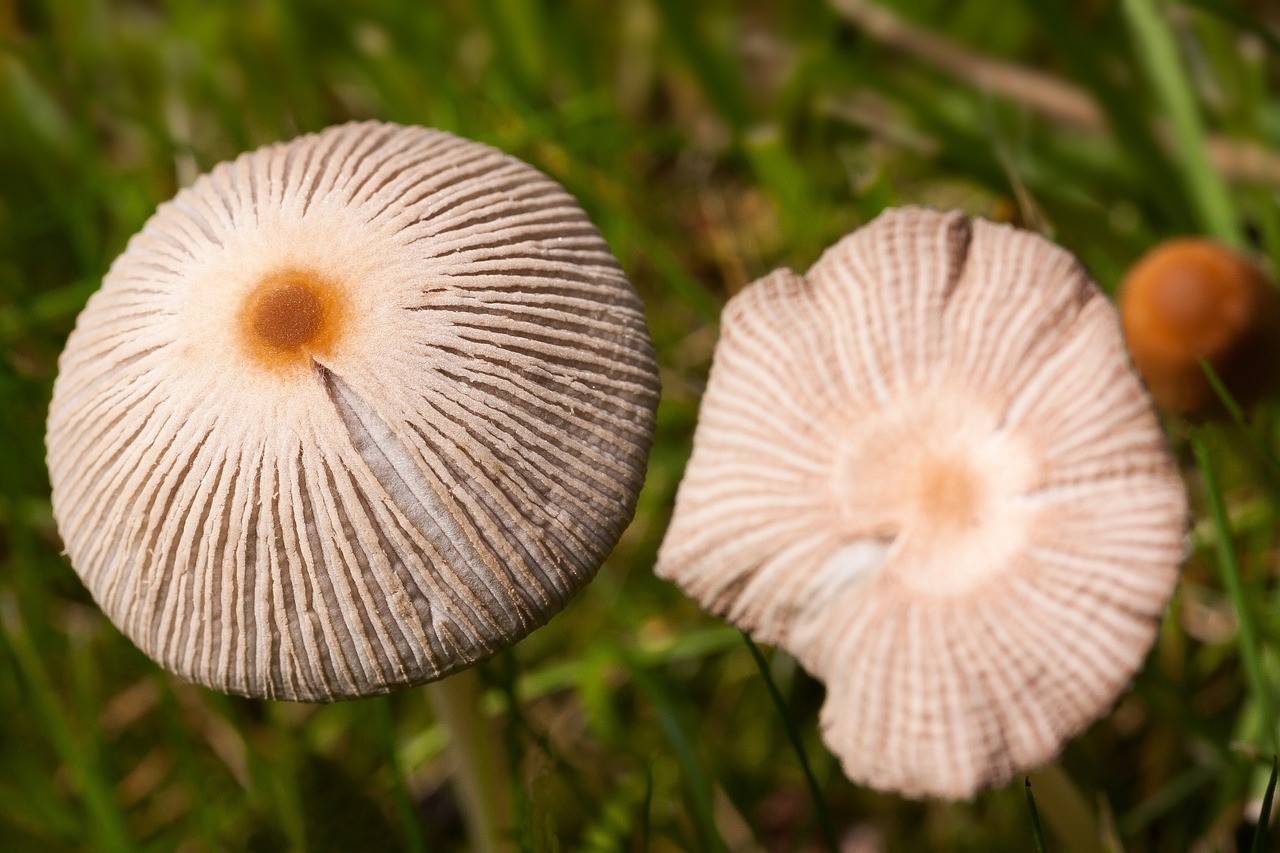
1037 831
819 804
1264 815
711 142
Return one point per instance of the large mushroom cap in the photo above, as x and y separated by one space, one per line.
350 413
927 470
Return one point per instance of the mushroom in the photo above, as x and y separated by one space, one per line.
1190 299
351 413
927 470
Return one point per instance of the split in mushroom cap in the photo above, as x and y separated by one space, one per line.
927 469
352 412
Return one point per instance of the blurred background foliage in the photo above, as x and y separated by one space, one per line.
711 141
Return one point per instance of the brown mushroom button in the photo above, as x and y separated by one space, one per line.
927 470
352 412
1189 299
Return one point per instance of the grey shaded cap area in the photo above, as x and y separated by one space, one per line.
352 412
927 469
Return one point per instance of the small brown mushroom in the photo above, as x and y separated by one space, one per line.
1190 299
927 469
352 412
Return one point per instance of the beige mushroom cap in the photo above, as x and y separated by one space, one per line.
352 412
927 469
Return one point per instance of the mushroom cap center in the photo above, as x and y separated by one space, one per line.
941 483
290 316
950 494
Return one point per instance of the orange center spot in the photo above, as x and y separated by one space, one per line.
290 316
948 494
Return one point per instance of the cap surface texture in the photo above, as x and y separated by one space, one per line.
352 412
927 470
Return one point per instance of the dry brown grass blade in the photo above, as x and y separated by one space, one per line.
1039 92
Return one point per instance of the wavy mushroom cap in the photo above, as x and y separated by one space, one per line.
927 470
352 412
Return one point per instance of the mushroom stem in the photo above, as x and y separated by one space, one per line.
456 703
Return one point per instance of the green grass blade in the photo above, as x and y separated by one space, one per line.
1238 19
717 74
1176 793
646 807
178 735
819 804
1265 453
503 674
678 280
405 814
695 779
519 34
1158 52
1264 817
1037 831
1130 128
1230 570
106 817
